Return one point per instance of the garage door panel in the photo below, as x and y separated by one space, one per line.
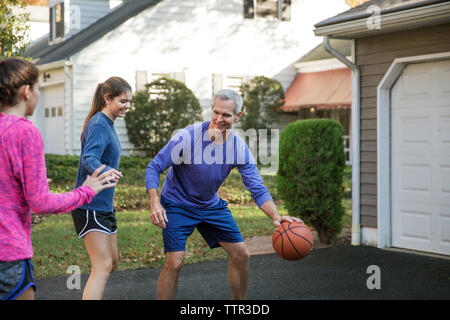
443 227
414 226
444 183
415 179
413 87
411 133
443 83
443 139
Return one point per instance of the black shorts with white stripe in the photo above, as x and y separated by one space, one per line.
90 220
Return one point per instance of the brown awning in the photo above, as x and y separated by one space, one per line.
329 89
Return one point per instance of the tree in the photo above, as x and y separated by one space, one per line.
14 28
263 98
166 105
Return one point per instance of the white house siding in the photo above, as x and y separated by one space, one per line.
198 38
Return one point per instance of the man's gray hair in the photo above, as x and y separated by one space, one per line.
228 94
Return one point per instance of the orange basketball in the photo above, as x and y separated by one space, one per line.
292 240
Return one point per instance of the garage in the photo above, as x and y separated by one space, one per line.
420 158
400 61
52 107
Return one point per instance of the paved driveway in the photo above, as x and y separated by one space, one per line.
338 272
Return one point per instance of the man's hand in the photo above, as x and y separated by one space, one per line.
157 213
277 220
270 209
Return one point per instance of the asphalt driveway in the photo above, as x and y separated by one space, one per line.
337 272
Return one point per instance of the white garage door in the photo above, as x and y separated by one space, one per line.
420 158
52 101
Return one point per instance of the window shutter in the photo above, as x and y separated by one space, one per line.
141 79
179 76
249 9
59 20
286 10
51 35
217 82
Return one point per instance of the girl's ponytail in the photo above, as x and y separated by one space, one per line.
98 103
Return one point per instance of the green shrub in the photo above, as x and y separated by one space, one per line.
155 114
62 170
310 174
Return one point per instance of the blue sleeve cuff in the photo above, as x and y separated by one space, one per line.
263 198
152 176
151 185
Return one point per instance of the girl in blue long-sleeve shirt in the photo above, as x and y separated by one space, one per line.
96 221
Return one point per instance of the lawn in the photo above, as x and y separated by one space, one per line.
56 245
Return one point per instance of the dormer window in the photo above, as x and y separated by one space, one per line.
275 9
56 20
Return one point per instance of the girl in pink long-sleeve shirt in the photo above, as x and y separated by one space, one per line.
23 178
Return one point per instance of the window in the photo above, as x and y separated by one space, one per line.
276 9
56 21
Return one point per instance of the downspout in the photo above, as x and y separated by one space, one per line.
355 153
67 64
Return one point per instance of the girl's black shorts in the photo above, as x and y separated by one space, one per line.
90 220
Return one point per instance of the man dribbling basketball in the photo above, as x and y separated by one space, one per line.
201 157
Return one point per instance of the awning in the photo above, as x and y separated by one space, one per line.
329 89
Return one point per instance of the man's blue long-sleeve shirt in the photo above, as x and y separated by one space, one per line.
199 167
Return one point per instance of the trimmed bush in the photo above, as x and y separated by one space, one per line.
62 170
310 174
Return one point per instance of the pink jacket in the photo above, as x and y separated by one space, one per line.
24 187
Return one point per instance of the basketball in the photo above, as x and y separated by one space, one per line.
292 240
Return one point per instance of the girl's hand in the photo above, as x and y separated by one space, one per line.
99 182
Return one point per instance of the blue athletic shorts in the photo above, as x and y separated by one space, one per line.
15 277
215 224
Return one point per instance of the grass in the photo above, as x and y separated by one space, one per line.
56 245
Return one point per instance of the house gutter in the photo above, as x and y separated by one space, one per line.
355 154
409 17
